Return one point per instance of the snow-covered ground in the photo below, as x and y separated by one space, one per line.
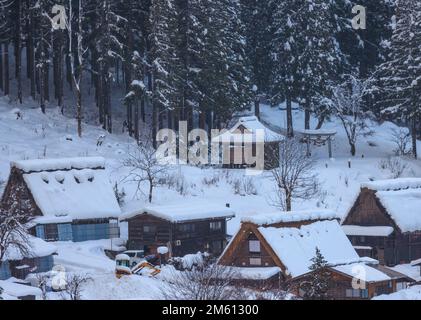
52 135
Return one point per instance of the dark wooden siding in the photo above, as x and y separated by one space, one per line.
148 232
241 255
397 248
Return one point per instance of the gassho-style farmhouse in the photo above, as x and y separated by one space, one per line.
72 200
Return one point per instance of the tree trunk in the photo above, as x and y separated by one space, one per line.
136 120
1 68
290 128
414 137
288 201
307 119
79 110
307 114
18 52
6 70
31 55
257 107
321 122
150 191
353 149
202 120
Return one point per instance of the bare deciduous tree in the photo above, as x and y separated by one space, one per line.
145 166
347 103
401 137
13 234
42 281
75 284
294 178
210 282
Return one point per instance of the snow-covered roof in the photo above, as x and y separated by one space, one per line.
367 231
320 132
402 200
295 216
393 184
404 207
253 125
37 248
255 273
416 262
363 272
70 189
39 165
295 247
17 290
184 212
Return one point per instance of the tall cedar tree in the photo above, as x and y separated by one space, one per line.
399 78
284 52
319 56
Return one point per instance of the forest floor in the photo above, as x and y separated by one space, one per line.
52 135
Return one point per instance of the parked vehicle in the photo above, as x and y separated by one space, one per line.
136 256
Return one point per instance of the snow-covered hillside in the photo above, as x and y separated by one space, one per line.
26 133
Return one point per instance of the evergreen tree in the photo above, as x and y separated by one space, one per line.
318 283
162 57
284 51
257 19
319 57
109 49
399 78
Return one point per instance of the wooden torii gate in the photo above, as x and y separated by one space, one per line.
318 138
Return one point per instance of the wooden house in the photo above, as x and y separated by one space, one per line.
39 259
69 199
385 221
244 136
19 291
417 264
276 250
184 229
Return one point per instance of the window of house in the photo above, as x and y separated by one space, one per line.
51 232
187 227
149 229
216 247
254 246
255 261
216 226
401 286
357 293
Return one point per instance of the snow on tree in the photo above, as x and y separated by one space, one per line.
317 284
347 103
399 78
144 166
13 233
284 52
319 56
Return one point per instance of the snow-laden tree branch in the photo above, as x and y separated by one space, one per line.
347 103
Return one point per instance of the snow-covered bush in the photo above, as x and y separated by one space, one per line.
211 181
248 186
395 166
209 282
190 261
177 182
